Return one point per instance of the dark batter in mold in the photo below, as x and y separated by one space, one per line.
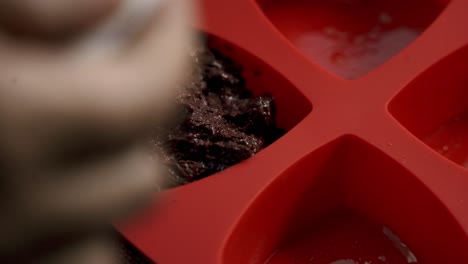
219 123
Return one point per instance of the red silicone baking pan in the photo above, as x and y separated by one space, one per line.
374 96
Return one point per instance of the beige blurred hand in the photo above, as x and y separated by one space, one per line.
52 18
71 156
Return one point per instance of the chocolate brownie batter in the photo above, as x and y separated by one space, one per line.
219 122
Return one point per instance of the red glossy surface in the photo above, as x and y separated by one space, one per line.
371 152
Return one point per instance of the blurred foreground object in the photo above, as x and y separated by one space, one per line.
72 150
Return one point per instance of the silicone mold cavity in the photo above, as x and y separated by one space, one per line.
345 195
351 37
434 107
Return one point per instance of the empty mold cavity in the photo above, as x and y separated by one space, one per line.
351 37
345 237
346 203
434 107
